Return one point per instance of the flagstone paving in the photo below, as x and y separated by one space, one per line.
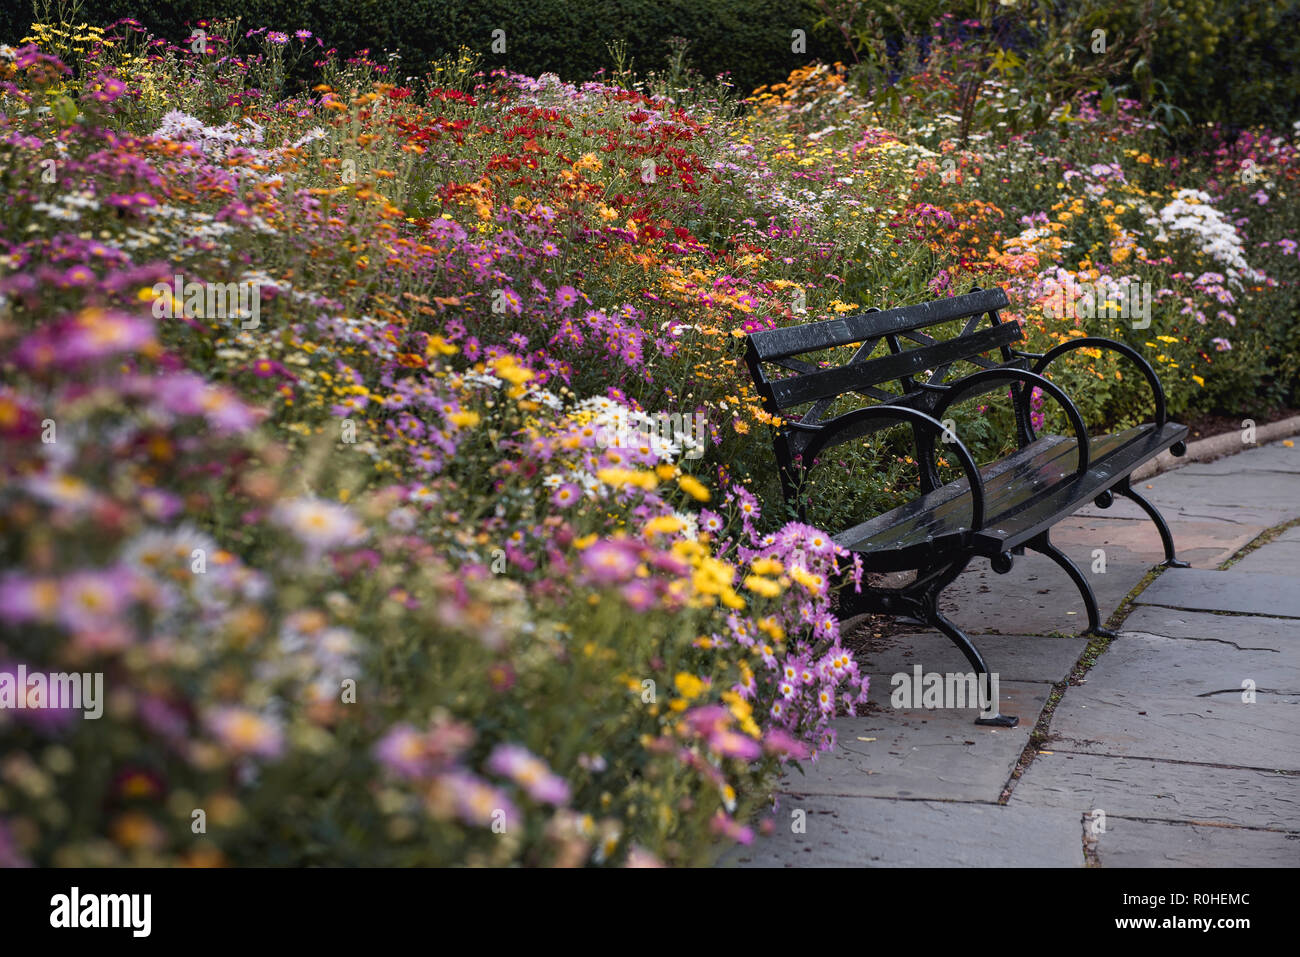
920 834
1240 592
1271 558
1179 748
1248 798
1128 843
915 753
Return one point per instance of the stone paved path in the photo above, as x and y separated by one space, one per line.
1155 759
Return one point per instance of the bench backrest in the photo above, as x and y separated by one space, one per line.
910 352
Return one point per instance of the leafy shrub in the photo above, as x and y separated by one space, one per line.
750 39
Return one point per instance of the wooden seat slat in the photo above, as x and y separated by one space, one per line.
1010 485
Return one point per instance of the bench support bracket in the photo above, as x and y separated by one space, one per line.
1042 544
962 641
1166 538
920 600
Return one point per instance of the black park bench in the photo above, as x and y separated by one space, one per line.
995 511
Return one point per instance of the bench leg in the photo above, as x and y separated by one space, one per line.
959 638
1043 545
919 600
1166 537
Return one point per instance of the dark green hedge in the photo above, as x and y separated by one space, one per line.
751 39
1232 61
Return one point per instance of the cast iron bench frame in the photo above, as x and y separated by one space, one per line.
1041 495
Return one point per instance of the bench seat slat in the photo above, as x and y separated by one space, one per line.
1010 483
947 509
1025 477
1027 491
1066 499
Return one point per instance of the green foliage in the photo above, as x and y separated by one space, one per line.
1231 61
1225 61
750 39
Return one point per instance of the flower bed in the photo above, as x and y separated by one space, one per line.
315 434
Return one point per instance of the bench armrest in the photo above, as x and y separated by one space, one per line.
1042 360
886 414
978 383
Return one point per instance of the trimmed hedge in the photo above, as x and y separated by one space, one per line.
750 39
1229 61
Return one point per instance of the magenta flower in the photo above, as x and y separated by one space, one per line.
98 334
529 772
477 802
404 751
639 595
270 369
733 744
609 563
566 495
782 743
92 335
181 393
225 412
106 88
707 719
90 600
566 297
131 200
246 732
25 599
77 277
726 826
